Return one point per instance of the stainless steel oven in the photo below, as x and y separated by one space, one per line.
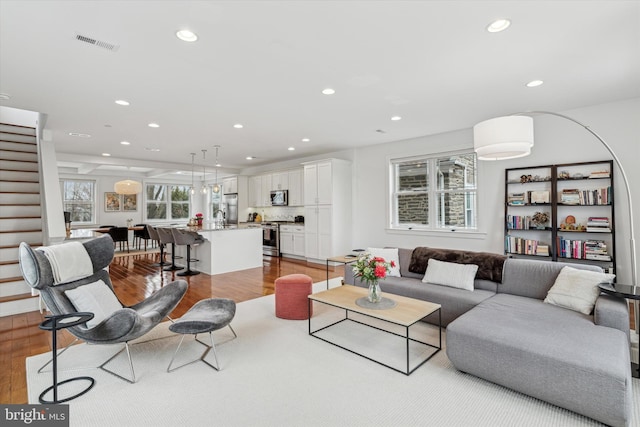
271 239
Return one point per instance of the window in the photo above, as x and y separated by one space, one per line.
167 202
434 192
78 197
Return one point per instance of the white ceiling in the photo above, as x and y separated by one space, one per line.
265 63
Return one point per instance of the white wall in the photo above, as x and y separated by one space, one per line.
557 141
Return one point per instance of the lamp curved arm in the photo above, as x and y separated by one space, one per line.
632 243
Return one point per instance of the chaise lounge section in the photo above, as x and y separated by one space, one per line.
503 331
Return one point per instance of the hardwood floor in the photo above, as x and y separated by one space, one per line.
133 280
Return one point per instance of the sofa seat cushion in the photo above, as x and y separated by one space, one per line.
454 301
548 352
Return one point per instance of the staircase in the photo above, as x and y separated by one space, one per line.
20 213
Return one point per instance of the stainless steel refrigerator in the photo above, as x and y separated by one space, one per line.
230 208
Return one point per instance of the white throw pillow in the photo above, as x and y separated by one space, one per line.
577 289
450 274
96 298
389 254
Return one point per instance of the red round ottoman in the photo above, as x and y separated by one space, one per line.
292 293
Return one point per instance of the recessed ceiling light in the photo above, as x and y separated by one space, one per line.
238 126
122 102
125 143
498 25
106 154
80 135
291 148
250 157
154 125
155 150
186 36
305 140
396 118
5 96
328 91
534 83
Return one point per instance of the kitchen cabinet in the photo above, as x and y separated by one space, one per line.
230 185
292 240
266 190
280 181
318 189
295 187
255 191
327 200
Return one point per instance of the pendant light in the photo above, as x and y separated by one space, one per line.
216 186
127 187
204 173
193 188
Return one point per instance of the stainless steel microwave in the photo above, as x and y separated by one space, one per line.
280 198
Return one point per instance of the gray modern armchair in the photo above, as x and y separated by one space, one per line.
113 323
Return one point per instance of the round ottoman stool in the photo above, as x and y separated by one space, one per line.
292 293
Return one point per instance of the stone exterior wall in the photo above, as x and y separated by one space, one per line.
414 208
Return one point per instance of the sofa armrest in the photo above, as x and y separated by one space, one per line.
612 312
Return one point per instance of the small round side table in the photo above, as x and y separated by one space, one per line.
54 323
629 292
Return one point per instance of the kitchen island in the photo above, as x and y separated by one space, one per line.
225 249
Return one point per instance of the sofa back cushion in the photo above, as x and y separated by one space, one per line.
405 260
489 265
533 279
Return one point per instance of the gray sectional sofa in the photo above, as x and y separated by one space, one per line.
502 331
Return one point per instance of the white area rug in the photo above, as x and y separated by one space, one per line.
275 374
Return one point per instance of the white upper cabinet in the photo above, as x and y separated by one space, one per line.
255 191
318 183
295 187
280 181
230 185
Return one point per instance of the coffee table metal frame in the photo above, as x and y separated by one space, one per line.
345 260
372 314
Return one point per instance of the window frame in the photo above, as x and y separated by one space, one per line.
168 202
92 202
434 194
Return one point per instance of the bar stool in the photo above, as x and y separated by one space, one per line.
153 233
188 238
166 237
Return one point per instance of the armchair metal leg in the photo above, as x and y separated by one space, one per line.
133 375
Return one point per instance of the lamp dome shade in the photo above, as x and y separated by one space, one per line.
503 138
127 187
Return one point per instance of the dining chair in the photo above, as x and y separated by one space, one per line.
120 235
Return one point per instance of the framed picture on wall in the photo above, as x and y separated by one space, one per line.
112 202
129 202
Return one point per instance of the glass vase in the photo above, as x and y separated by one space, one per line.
374 295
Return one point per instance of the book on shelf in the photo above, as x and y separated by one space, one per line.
518 245
598 229
598 224
539 196
600 174
570 196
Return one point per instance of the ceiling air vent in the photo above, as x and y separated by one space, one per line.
99 43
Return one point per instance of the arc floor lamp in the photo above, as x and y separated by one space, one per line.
511 136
